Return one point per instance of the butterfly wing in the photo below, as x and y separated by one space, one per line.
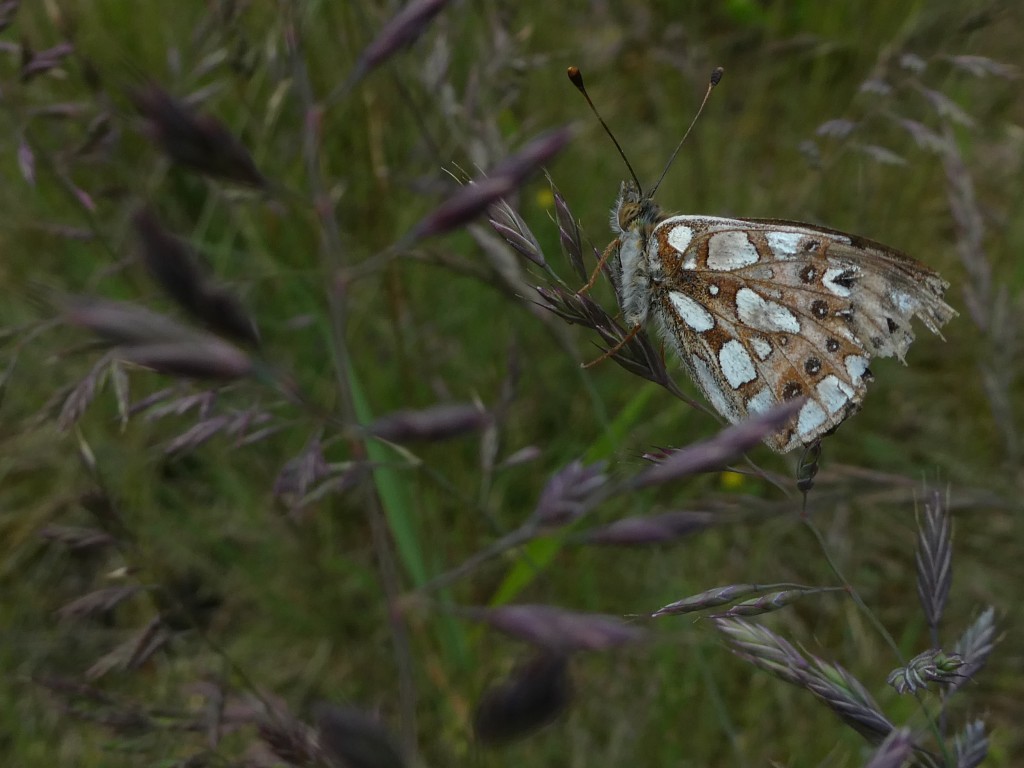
765 311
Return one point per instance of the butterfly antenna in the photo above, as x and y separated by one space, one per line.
577 79
716 78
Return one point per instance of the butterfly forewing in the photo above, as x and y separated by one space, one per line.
763 311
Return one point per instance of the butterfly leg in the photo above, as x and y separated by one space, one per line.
612 247
619 345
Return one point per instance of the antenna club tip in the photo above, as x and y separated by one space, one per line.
716 76
575 76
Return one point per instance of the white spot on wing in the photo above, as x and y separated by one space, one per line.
855 366
842 330
693 314
713 391
731 250
736 364
903 302
713 289
834 393
761 347
756 311
811 417
785 245
761 402
830 275
679 237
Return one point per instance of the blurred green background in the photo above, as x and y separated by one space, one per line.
901 122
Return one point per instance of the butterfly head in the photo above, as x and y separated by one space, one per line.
634 210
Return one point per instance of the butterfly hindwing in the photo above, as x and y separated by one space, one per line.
762 311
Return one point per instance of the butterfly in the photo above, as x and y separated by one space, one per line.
761 311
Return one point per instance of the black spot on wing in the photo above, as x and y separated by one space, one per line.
846 279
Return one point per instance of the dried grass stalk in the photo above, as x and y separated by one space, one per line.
198 142
934 559
534 695
212 359
175 267
717 451
557 629
830 683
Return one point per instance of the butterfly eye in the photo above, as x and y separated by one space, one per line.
627 215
